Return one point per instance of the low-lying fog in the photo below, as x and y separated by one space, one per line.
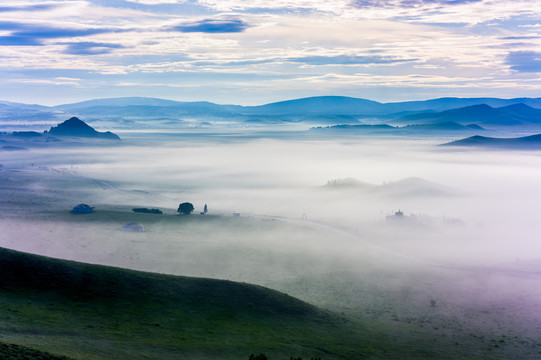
316 218
458 205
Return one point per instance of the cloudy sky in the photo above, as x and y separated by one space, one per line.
252 52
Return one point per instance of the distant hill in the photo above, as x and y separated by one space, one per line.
516 114
420 129
448 103
151 108
522 112
532 142
87 311
357 129
441 126
4 105
123 101
348 183
12 148
414 187
408 187
469 114
78 128
322 105
17 112
27 134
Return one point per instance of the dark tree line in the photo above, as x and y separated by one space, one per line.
147 211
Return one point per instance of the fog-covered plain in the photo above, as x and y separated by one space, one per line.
314 220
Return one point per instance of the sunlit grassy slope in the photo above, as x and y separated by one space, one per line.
94 312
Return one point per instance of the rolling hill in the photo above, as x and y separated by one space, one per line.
516 114
16 352
408 187
532 142
84 311
449 103
321 105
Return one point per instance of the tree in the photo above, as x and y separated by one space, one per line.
205 209
185 208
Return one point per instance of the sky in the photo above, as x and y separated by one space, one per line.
256 52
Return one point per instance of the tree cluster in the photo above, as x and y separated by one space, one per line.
185 208
147 211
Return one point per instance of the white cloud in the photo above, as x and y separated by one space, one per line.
438 55
55 81
337 6
156 2
473 12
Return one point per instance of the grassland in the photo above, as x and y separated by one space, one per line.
93 312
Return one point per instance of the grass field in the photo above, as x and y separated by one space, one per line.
94 312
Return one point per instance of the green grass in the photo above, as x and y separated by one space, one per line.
16 352
94 312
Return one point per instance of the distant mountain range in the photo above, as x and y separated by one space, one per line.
141 112
515 114
321 105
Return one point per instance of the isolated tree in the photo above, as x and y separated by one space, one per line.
205 209
185 208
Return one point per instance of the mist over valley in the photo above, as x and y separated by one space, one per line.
433 245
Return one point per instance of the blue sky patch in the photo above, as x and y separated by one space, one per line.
91 48
213 26
524 61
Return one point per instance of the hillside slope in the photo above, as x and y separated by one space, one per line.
94 312
532 142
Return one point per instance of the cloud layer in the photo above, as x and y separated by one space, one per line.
232 51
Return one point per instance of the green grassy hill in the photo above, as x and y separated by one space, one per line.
84 311
16 352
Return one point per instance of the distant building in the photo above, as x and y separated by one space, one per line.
82 209
397 216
